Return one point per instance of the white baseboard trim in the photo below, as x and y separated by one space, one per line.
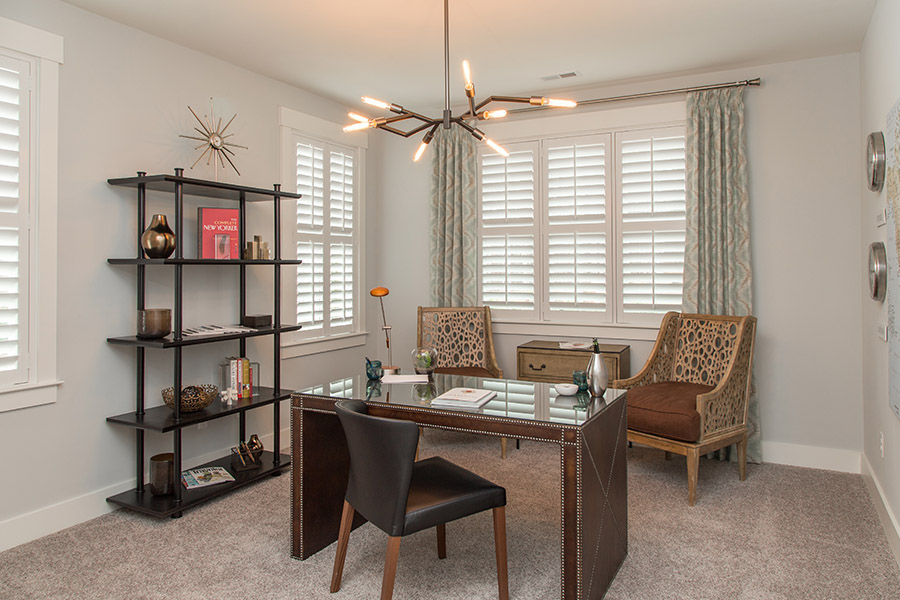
814 457
62 515
887 517
56 517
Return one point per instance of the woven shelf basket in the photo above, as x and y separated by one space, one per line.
193 397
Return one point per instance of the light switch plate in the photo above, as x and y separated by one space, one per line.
882 332
881 218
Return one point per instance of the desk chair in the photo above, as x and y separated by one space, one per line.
401 496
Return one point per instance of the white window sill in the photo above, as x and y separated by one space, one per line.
606 332
295 348
28 395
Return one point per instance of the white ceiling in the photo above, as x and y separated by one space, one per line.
343 49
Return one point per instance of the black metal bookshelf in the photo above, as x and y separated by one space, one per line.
163 419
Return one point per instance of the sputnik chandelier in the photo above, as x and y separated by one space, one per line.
476 112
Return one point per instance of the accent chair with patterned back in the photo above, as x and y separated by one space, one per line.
463 340
692 395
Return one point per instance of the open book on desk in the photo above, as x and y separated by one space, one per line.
461 397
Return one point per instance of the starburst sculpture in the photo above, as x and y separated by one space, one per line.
215 148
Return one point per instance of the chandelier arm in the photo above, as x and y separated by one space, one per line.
411 132
479 135
490 99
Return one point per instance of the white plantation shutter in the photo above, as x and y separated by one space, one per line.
576 228
15 133
340 206
508 229
340 308
507 271
327 234
310 183
311 286
652 221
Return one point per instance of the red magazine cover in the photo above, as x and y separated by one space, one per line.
218 233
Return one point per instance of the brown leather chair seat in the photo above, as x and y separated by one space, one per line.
667 409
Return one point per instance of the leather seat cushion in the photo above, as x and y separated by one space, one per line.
667 409
441 491
466 371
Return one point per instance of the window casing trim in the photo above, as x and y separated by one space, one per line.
47 48
612 121
296 124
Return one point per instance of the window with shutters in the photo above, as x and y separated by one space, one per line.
29 92
326 233
584 229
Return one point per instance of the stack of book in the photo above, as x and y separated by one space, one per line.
240 376
465 398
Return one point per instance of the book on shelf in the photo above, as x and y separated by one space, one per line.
217 234
462 397
204 476
240 376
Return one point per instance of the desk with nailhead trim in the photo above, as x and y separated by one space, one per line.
591 435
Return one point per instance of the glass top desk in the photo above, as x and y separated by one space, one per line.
589 432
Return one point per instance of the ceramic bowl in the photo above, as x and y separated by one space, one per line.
565 389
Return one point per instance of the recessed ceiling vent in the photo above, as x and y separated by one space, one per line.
568 75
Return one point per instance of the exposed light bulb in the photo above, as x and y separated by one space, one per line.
420 151
375 102
357 126
497 147
467 73
495 114
559 103
358 117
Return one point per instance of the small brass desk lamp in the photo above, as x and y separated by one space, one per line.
380 293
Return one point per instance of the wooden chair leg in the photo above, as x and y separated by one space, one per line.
390 567
503 447
343 539
500 549
442 540
693 466
742 457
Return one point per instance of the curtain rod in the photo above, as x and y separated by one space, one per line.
696 88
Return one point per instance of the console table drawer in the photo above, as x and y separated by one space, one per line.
547 362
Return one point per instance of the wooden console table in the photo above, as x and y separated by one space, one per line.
542 360
590 434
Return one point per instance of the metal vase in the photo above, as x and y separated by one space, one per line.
158 240
597 375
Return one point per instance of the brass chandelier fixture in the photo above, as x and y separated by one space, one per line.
476 112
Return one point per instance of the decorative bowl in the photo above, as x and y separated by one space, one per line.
193 397
566 389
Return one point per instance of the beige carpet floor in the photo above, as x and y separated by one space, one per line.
784 533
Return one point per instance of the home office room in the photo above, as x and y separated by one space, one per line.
450 300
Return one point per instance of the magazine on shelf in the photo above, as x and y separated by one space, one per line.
199 330
464 398
204 476
218 235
